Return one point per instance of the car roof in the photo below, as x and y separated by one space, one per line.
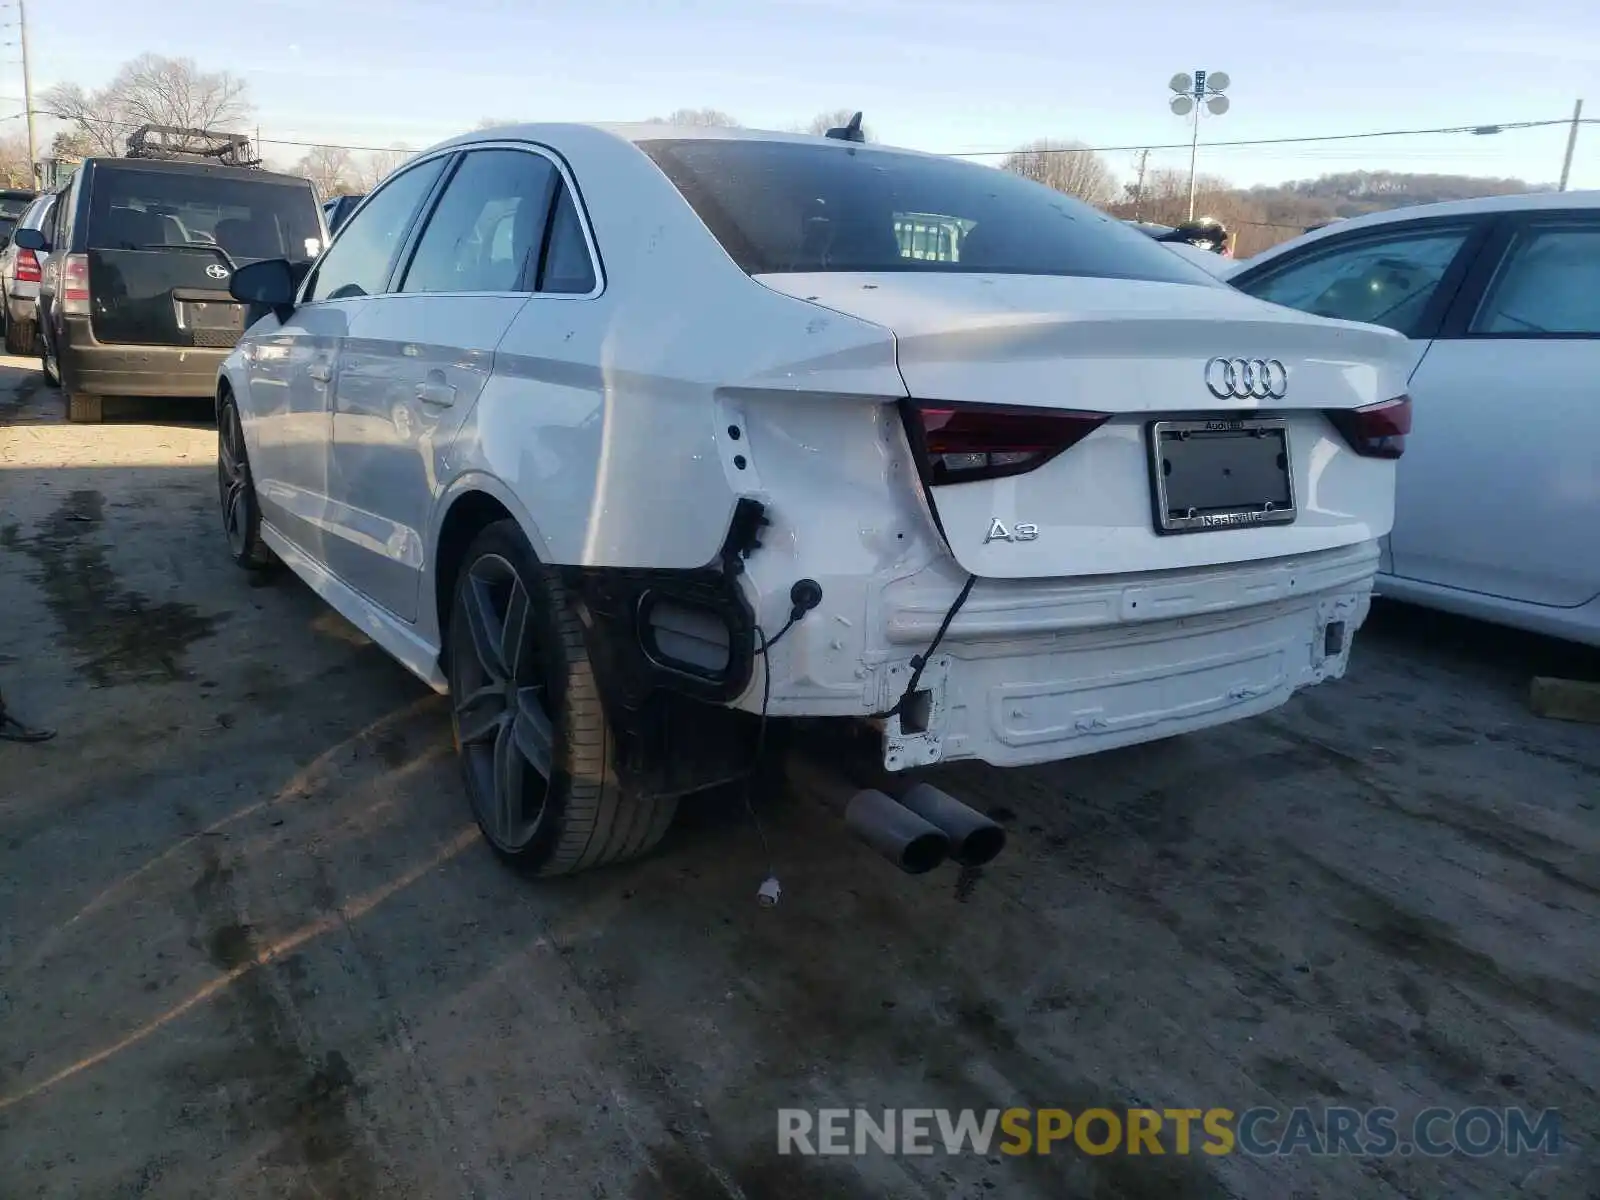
1478 206
189 166
638 132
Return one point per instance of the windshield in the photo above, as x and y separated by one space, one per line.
248 218
781 207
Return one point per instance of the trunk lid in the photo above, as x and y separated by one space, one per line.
1145 354
163 244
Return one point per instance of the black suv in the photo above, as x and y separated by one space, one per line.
134 299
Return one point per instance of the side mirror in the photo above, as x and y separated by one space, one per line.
270 283
30 239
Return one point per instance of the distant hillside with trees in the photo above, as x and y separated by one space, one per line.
1262 216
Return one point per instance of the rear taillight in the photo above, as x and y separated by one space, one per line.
28 267
75 285
965 442
1376 431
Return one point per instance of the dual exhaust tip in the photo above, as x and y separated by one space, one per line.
922 828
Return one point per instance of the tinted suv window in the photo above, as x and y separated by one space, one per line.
358 263
249 218
800 206
1384 280
486 226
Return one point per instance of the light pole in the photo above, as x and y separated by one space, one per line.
1189 92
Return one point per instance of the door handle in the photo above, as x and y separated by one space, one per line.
434 390
320 371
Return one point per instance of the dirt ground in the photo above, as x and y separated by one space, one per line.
250 945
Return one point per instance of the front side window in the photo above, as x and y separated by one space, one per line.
800 206
1384 280
251 219
1549 282
359 261
487 225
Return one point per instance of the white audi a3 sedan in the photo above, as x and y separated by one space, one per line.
630 438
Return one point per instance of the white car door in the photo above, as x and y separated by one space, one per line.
1403 275
1502 479
292 373
418 359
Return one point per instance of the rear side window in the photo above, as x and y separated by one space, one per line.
568 269
1549 282
1383 280
781 207
248 218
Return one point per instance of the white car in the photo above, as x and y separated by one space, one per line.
630 438
1497 514
20 272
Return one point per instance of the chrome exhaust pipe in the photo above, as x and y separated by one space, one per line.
974 838
897 833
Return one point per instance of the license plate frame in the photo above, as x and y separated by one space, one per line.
1233 514
216 316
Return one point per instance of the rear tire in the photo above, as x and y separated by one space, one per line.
236 487
530 727
85 409
48 364
21 337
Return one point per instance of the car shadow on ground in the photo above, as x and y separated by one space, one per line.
26 398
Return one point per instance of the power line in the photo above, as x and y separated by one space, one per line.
1308 139
1481 130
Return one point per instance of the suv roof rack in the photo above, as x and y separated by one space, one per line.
176 142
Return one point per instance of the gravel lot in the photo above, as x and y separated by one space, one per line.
250 945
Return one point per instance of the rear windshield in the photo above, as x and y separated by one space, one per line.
795 206
12 206
250 219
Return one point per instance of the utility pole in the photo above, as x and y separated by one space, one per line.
1138 188
1572 144
27 90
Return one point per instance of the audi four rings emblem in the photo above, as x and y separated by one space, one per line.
1247 378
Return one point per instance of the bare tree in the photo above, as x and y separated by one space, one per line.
378 165
701 117
15 169
1164 199
1069 167
148 90
834 119
71 145
331 168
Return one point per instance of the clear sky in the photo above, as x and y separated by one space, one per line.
940 75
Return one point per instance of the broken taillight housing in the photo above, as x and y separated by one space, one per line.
961 443
1377 430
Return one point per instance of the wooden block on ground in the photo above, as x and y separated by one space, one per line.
1565 699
